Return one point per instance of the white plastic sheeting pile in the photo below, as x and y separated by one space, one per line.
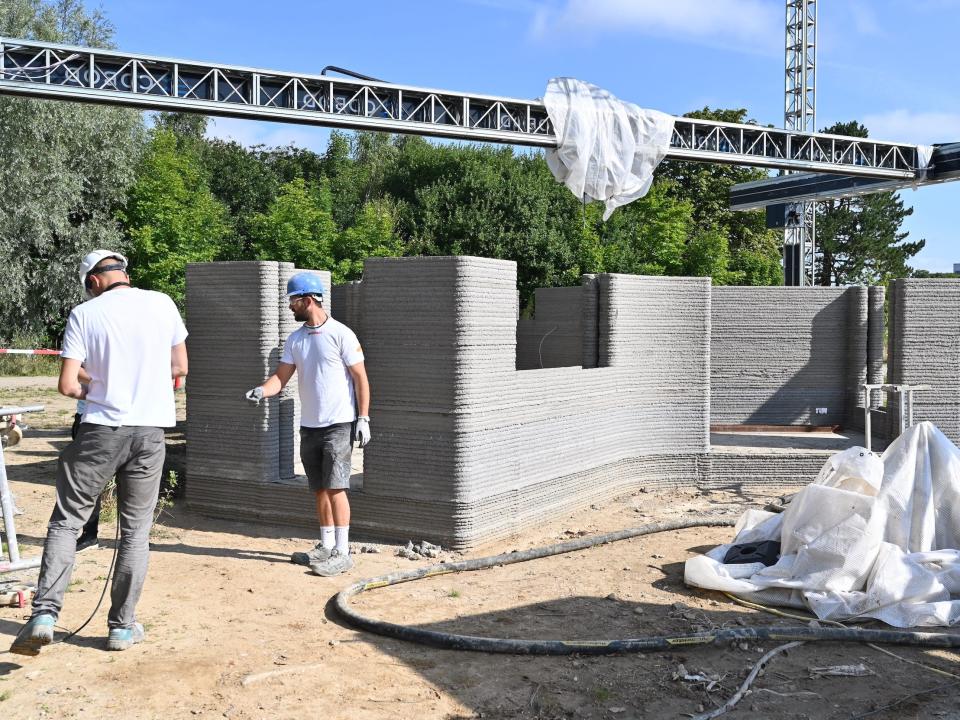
607 149
870 537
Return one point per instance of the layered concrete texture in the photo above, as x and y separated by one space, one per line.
233 321
793 356
925 349
466 448
241 458
553 337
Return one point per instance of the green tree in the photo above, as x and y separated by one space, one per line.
188 128
356 166
65 21
371 236
650 235
64 169
246 184
171 217
708 254
297 227
754 251
859 238
290 162
488 202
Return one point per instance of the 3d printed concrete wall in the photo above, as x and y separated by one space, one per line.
466 447
553 337
793 356
925 349
240 455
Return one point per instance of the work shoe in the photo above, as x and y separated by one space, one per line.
89 542
125 638
318 555
334 565
34 635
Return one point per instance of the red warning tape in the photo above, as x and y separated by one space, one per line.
12 351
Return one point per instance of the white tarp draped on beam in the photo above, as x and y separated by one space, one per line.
871 537
607 149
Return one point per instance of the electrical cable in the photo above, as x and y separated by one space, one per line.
103 593
452 641
349 73
781 613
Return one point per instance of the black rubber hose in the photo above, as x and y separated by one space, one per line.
453 641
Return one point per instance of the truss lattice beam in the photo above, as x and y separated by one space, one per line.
63 72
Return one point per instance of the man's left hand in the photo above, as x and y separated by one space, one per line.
363 431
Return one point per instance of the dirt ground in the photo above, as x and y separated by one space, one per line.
234 630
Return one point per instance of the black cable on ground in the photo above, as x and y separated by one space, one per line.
106 584
453 641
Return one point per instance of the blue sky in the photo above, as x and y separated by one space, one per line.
882 62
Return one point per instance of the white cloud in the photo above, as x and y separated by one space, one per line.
251 132
750 24
914 127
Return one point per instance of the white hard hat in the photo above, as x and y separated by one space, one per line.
90 261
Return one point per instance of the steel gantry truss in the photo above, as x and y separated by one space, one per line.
800 114
63 72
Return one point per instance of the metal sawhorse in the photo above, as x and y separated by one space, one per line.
906 405
13 561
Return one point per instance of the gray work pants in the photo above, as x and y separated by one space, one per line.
135 455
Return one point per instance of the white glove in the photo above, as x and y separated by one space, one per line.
255 395
363 430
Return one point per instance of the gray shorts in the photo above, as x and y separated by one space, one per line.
325 454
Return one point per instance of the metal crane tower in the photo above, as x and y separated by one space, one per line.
800 115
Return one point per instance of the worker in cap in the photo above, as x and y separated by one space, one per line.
130 343
332 380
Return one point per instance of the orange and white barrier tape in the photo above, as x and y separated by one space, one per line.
13 351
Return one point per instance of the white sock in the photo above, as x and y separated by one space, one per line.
327 537
343 542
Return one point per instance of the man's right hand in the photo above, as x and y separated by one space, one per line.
255 395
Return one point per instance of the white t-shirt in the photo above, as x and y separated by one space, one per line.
123 338
322 355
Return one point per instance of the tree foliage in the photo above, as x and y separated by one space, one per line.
373 195
171 218
64 171
297 227
372 235
860 238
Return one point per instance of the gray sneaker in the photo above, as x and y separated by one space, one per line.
125 638
34 635
319 554
334 565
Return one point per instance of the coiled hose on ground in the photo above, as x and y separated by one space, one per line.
452 641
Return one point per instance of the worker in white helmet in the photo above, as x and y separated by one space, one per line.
130 343
328 360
